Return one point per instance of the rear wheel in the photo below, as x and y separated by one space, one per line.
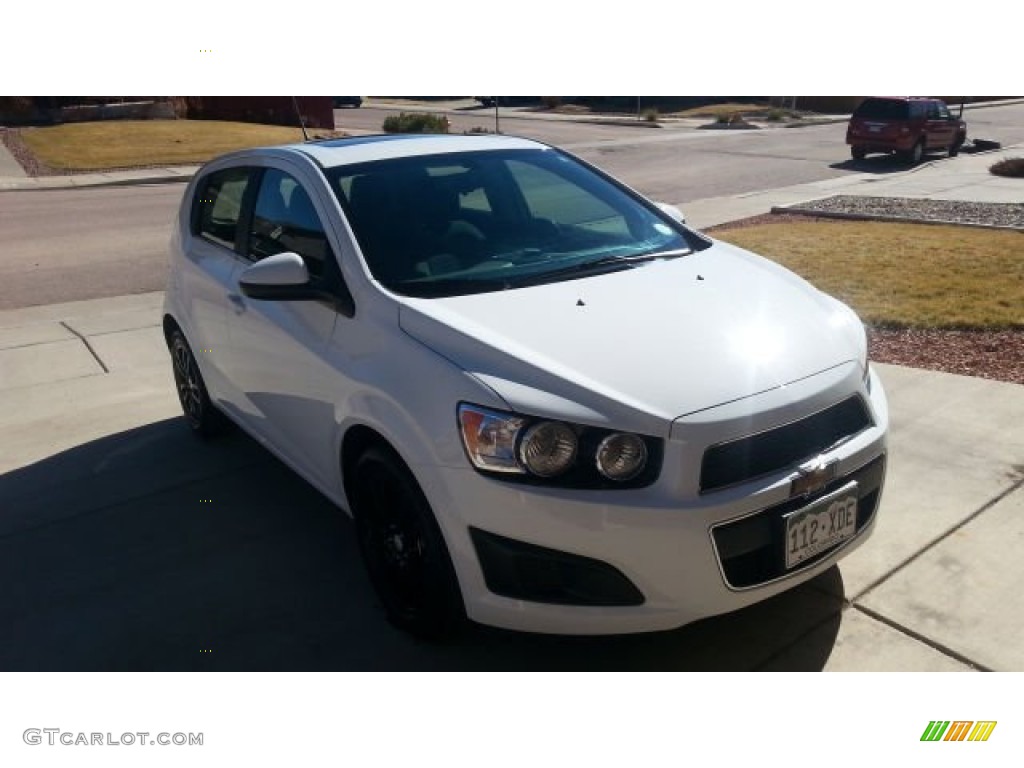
202 417
403 548
916 153
858 153
954 148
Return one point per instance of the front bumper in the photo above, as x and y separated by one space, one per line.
676 546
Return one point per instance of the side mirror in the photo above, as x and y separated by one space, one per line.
269 277
284 277
672 211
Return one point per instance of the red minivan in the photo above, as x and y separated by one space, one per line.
908 126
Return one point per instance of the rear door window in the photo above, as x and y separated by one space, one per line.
218 205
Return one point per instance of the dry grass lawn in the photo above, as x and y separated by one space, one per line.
137 143
903 275
714 110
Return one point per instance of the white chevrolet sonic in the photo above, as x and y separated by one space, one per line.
546 402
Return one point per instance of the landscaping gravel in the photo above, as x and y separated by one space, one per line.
914 209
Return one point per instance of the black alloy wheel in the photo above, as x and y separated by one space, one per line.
403 548
202 417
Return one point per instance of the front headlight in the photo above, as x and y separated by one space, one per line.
621 456
548 449
518 447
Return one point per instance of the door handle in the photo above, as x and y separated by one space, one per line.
238 301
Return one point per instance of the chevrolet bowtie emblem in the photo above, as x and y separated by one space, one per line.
814 475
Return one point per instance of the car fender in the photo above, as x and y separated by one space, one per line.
416 414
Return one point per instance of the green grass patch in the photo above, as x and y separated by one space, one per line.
903 275
137 143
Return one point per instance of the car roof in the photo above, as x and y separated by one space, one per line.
331 153
902 98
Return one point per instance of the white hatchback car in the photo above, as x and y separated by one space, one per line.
547 403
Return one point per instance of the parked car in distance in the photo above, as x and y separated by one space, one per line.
546 402
908 126
347 101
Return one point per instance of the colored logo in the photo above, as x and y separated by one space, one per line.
958 730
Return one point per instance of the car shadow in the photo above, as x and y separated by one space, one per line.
151 550
880 164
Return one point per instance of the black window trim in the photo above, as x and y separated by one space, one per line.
248 209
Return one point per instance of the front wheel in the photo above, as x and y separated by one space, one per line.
858 153
403 548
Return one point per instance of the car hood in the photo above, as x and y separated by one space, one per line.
640 347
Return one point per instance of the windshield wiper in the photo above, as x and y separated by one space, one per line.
605 263
634 259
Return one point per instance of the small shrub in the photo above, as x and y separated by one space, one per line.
776 115
415 122
1009 166
723 118
650 115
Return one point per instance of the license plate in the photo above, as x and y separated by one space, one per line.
875 128
821 525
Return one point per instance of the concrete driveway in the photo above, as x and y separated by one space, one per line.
133 546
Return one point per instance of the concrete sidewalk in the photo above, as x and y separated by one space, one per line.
964 177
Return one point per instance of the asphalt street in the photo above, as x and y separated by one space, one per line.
62 245
66 245
678 165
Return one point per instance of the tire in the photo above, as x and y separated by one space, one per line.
202 417
954 148
403 548
916 153
858 153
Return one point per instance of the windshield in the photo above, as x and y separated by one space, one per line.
440 225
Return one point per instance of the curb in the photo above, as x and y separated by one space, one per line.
824 121
795 208
35 186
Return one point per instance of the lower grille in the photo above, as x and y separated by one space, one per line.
750 457
527 572
752 550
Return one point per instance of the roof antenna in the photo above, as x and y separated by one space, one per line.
298 114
